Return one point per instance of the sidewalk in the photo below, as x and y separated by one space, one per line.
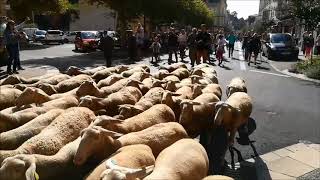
299 161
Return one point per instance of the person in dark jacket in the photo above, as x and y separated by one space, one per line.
192 44
203 44
132 46
254 47
107 46
172 45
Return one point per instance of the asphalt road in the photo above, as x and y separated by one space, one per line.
286 109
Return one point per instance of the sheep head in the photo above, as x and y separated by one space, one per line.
128 110
107 122
122 68
134 83
171 86
197 72
19 167
197 90
47 88
32 95
73 71
224 113
88 88
167 98
93 141
92 103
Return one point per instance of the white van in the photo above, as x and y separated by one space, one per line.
56 36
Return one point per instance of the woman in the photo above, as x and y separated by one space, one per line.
309 43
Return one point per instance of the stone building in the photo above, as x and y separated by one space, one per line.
220 12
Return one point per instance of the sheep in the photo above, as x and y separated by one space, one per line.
210 88
160 74
159 113
171 86
129 162
172 78
139 76
185 159
110 80
99 143
217 177
8 97
102 74
64 129
196 114
181 73
237 84
174 66
133 70
74 71
127 95
76 81
233 113
14 79
35 166
200 80
54 80
14 138
150 83
210 75
143 66
11 121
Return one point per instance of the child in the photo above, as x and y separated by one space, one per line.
156 46
220 50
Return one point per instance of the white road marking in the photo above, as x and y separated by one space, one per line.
269 73
242 63
243 66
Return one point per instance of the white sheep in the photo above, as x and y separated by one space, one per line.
174 66
74 71
99 143
139 76
14 138
102 74
160 74
172 78
129 162
14 79
217 177
109 80
181 73
133 70
64 129
8 97
210 88
233 113
185 159
237 84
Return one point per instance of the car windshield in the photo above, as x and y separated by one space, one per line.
40 32
88 35
281 38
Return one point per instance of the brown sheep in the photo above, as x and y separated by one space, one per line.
74 82
11 121
14 79
159 113
100 143
14 138
174 66
8 97
196 114
233 113
64 129
210 88
102 74
237 84
181 73
185 159
127 95
110 80
172 78
160 74
139 76
131 71
74 71
129 162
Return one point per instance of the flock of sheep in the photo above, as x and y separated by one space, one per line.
115 123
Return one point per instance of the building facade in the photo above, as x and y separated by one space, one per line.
220 12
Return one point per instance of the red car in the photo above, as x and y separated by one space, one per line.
86 40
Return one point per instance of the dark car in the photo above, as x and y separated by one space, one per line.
86 40
39 35
280 46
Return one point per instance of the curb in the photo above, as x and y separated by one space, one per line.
298 76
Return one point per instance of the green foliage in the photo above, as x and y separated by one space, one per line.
23 8
307 10
310 68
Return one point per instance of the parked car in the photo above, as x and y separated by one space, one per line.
56 36
30 32
39 35
115 36
280 45
86 40
70 36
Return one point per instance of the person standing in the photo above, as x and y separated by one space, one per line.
220 50
203 44
318 45
245 46
231 41
172 45
3 25
254 47
156 46
140 40
132 46
182 40
107 45
192 44
309 43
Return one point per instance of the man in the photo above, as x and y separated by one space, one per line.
132 46
192 44
182 39
3 25
254 47
203 44
172 45
107 45
231 40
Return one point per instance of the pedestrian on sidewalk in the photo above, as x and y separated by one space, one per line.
309 43
140 40
11 39
220 51
107 45
132 46
318 45
182 40
203 44
231 40
172 45
254 47
192 44
156 46
245 46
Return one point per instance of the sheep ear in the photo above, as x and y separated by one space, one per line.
31 173
196 103
109 133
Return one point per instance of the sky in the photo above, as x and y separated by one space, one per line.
244 8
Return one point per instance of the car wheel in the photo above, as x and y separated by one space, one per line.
269 55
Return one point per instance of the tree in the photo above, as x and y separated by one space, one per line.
23 8
308 11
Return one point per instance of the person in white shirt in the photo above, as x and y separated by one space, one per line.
140 40
221 43
182 40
